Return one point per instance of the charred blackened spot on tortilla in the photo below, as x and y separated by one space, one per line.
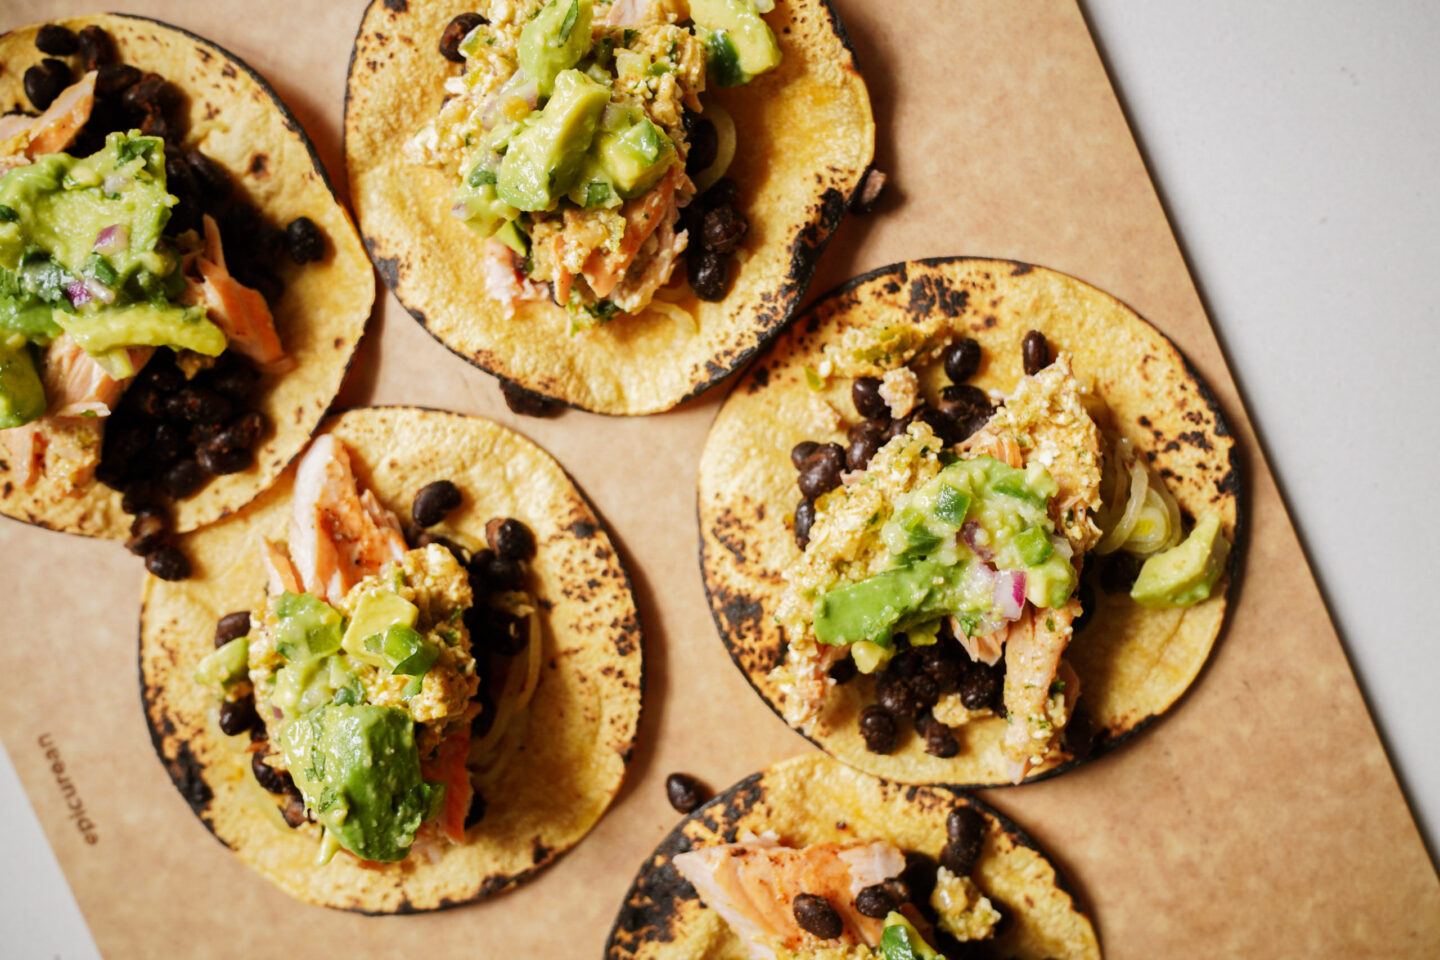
397 6
1144 421
9 487
1196 439
388 267
227 70
1229 485
1020 269
189 777
339 342
582 529
761 379
259 164
372 65
1171 445
211 111
540 853
203 54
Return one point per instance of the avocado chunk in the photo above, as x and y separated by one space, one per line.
478 203
901 941
359 771
308 629
22 395
544 158
875 608
375 613
226 665
1184 575
634 157
741 45
143 324
556 40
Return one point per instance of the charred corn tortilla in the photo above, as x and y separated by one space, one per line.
571 753
240 123
1133 663
812 799
805 138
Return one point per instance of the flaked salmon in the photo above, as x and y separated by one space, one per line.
235 308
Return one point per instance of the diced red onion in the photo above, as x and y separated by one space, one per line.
77 294
115 182
113 239
99 291
970 530
518 85
1009 595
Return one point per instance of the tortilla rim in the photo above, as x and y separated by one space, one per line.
1233 486
653 905
624 672
104 503
809 243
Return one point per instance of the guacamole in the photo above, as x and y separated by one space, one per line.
82 253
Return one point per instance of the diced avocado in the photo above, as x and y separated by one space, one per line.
22 395
875 608
513 237
373 615
556 40
635 157
1034 546
147 324
23 313
359 771
742 46
308 628
64 204
1051 583
478 203
901 941
226 665
544 159
1184 574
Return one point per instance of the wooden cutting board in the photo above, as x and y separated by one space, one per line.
1260 818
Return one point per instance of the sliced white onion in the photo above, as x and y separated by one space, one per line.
725 143
116 182
1151 531
99 291
1139 483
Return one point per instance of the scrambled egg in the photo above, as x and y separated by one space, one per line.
965 912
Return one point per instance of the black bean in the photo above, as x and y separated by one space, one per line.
898 427
940 740
510 539
684 792
304 240
221 462
945 670
294 811
152 94
820 473
168 445
485 719
275 781
709 275
528 403
1118 572
476 811
183 479
962 853
865 394
704 146
497 631
924 689
868 196
96 48
162 373
434 501
137 497
979 686
235 380
186 213
962 359
168 563
801 450
232 626
878 728
238 716
907 662
45 81
804 520
155 124
1086 594
816 916
113 79
1035 352
243 433
495 574
56 40
918 876
965 824
941 425
212 179
723 228
866 439
198 405
722 191
455 32
843 671
961 401
875 901
147 531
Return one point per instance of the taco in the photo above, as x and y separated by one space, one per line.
813 860
180 291
1010 545
612 204
390 718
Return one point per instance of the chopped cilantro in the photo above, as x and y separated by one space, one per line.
596 193
480 176
8 214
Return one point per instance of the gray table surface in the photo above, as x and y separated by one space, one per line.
1295 145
